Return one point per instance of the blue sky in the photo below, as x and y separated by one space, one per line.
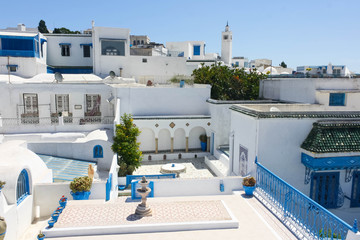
303 32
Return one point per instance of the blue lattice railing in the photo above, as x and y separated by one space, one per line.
303 216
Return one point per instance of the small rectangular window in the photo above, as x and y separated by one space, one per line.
65 50
226 37
144 60
12 68
86 51
196 50
337 99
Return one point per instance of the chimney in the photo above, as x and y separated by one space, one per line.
21 27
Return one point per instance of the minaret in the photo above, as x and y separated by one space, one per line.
226 45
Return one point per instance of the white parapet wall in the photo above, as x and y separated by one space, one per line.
196 186
47 195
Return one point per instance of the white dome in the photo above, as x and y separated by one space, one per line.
14 158
272 71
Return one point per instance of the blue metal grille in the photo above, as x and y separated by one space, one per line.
22 187
303 216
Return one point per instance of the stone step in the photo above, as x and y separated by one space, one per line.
216 166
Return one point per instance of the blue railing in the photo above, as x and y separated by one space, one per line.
303 216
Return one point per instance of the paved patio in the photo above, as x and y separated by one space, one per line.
255 222
195 168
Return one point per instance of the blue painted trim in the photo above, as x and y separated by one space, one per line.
17 37
98 151
12 65
86 44
42 41
108 187
130 178
355 190
61 44
330 163
69 70
2 233
22 186
17 53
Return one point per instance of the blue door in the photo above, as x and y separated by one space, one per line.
324 188
355 194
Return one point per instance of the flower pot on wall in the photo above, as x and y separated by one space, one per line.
203 146
84 195
249 190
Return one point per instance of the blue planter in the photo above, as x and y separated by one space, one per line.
80 195
55 216
203 146
249 190
60 209
62 204
41 238
51 223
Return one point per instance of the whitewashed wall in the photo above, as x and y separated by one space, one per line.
303 89
47 195
76 57
179 187
352 99
27 67
164 101
12 95
157 127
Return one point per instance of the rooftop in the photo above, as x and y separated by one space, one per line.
292 111
326 137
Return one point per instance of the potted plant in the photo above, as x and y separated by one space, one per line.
63 201
41 236
249 185
51 223
80 188
2 184
203 142
126 148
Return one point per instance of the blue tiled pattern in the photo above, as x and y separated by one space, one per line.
65 169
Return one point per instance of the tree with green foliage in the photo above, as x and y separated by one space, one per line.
283 64
125 146
65 31
229 83
42 27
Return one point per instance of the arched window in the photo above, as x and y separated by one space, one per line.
98 151
22 187
137 42
142 41
134 43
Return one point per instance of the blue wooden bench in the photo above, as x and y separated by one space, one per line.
130 178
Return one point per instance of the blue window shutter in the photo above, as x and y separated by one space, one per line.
22 186
196 50
337 99
98 152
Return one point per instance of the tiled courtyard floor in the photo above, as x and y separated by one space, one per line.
195 168
255 222
119 213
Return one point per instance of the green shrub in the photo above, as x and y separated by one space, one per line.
249 181
80 184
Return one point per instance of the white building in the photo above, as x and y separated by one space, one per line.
22 53
69 53
325 70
